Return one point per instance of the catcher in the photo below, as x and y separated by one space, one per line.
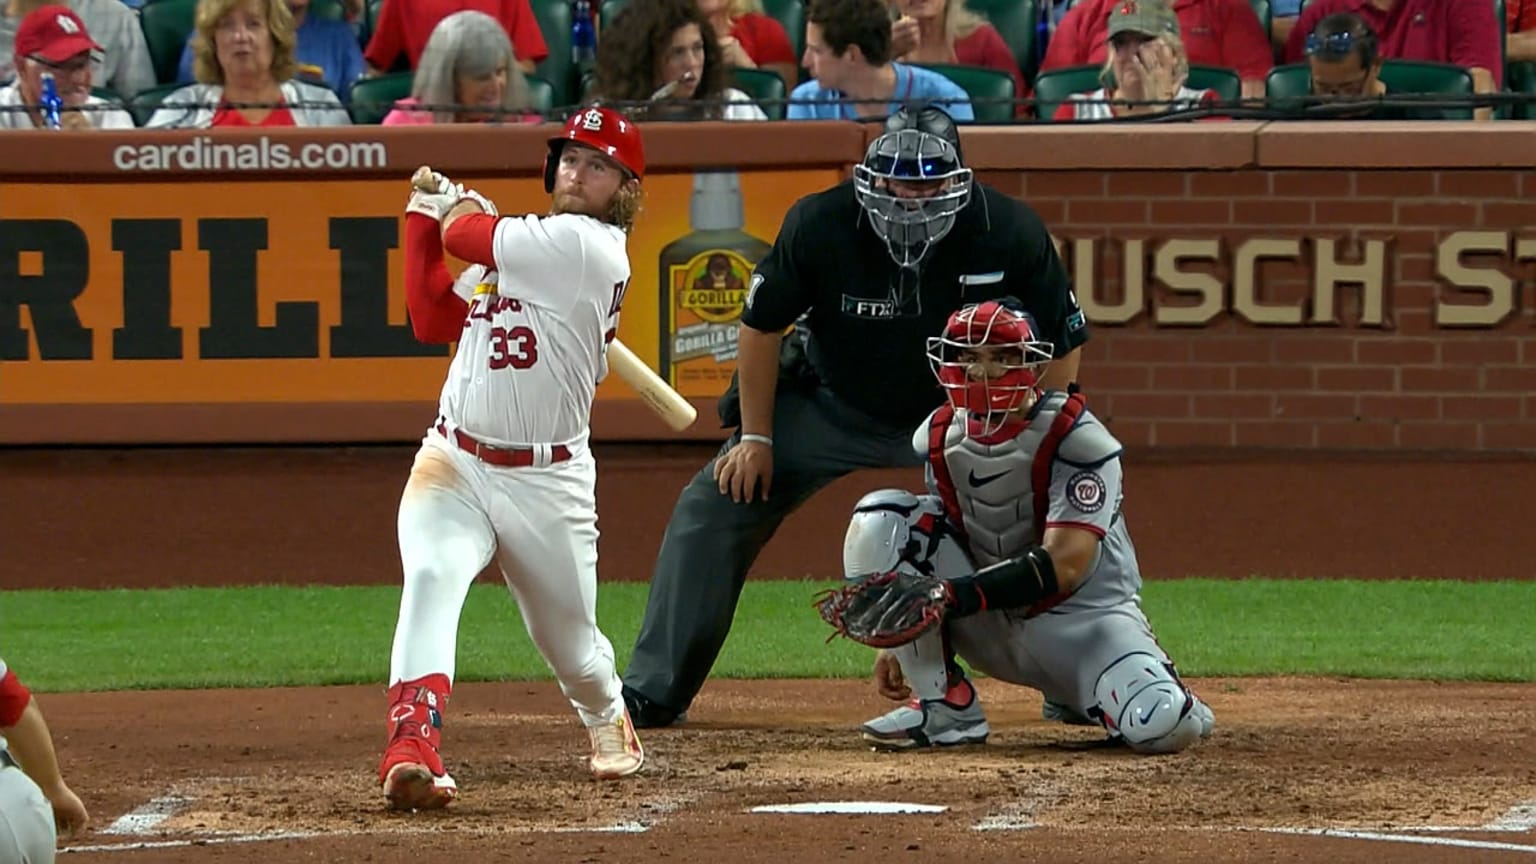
1028 484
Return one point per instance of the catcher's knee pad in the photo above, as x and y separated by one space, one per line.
892 527
1143 702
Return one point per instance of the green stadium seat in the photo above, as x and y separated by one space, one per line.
992 92
607 12
791 14
166 25
554 18
1520 77
1261 9
330 10
1226 83
372 98
1015 21
543 94
1053 87
144 103
765 87
1287 86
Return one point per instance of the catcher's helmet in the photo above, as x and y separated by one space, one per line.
604 130
989 387
918 145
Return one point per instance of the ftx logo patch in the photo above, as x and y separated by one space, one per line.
865 307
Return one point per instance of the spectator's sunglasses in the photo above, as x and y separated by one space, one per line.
74 64
1336 45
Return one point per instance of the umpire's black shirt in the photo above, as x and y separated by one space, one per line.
870 349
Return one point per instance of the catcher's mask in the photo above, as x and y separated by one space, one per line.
988 361
604 130
912 183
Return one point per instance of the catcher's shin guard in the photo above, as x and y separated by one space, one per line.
411 772
1146 705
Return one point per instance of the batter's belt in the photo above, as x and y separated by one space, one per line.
502 457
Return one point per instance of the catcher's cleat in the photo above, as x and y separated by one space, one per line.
616 750
927 723
1059 712
412 786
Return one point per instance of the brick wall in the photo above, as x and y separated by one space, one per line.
1406 375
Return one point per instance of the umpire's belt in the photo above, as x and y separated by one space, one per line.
504 457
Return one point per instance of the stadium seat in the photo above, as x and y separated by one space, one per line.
1520 77
1287 86
166 25
607 12
1226 83
554 18
144 103
1261 9
1015 21
992 92
791 14
330 10
1053 87
372 98
543 94
765 87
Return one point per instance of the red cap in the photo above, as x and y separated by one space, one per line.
54 33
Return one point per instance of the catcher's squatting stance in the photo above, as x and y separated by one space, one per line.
1028 485
505 470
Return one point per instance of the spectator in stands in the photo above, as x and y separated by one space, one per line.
750 39
1520 27
950 33
1147 64
122 64
1344 59
848 52
1463 32
664 53
325 49
53 39
468 63
404 26
1224 33
244 63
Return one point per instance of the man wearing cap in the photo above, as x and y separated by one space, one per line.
121 64
53 40
1224 33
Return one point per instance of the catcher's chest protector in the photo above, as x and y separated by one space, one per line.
993 486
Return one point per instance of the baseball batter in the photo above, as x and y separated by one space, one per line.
1026 484
505 470
35 802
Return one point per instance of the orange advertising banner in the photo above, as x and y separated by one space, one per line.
291 291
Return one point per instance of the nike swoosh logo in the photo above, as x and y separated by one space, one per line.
982 481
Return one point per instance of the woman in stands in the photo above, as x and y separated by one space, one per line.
750 39
1145 72
468 74
243 59
950 33
662 55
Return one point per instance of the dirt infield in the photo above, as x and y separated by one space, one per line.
1411 771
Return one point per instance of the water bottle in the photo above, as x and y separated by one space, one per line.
583 36
51 103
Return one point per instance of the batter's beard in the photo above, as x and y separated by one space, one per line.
564 202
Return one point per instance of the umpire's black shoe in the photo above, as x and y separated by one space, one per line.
646 714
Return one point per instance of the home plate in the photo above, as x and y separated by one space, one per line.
855 807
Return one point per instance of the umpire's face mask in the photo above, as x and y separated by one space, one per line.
912 186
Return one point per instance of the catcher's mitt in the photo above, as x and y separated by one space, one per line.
884 610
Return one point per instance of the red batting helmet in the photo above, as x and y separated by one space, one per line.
989 389
604 130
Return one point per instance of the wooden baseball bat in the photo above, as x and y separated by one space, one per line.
677 412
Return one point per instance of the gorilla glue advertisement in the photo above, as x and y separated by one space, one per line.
703 287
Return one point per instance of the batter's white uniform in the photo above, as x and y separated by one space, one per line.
27 831
527 367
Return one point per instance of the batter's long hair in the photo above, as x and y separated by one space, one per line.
632 47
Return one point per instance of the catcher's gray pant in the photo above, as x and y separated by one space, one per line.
27 832
711 541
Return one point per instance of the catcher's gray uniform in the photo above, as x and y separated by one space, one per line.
27 832
991 498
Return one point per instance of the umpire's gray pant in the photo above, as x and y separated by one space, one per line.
712 541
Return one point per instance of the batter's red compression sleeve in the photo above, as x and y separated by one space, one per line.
437 314
473 238
14 697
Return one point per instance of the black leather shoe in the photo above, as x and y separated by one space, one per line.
646 714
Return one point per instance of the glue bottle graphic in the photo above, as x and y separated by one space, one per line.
705 276
51 104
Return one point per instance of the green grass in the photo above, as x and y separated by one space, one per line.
270 636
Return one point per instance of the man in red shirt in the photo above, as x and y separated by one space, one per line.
1463 32
1223 33
405 25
